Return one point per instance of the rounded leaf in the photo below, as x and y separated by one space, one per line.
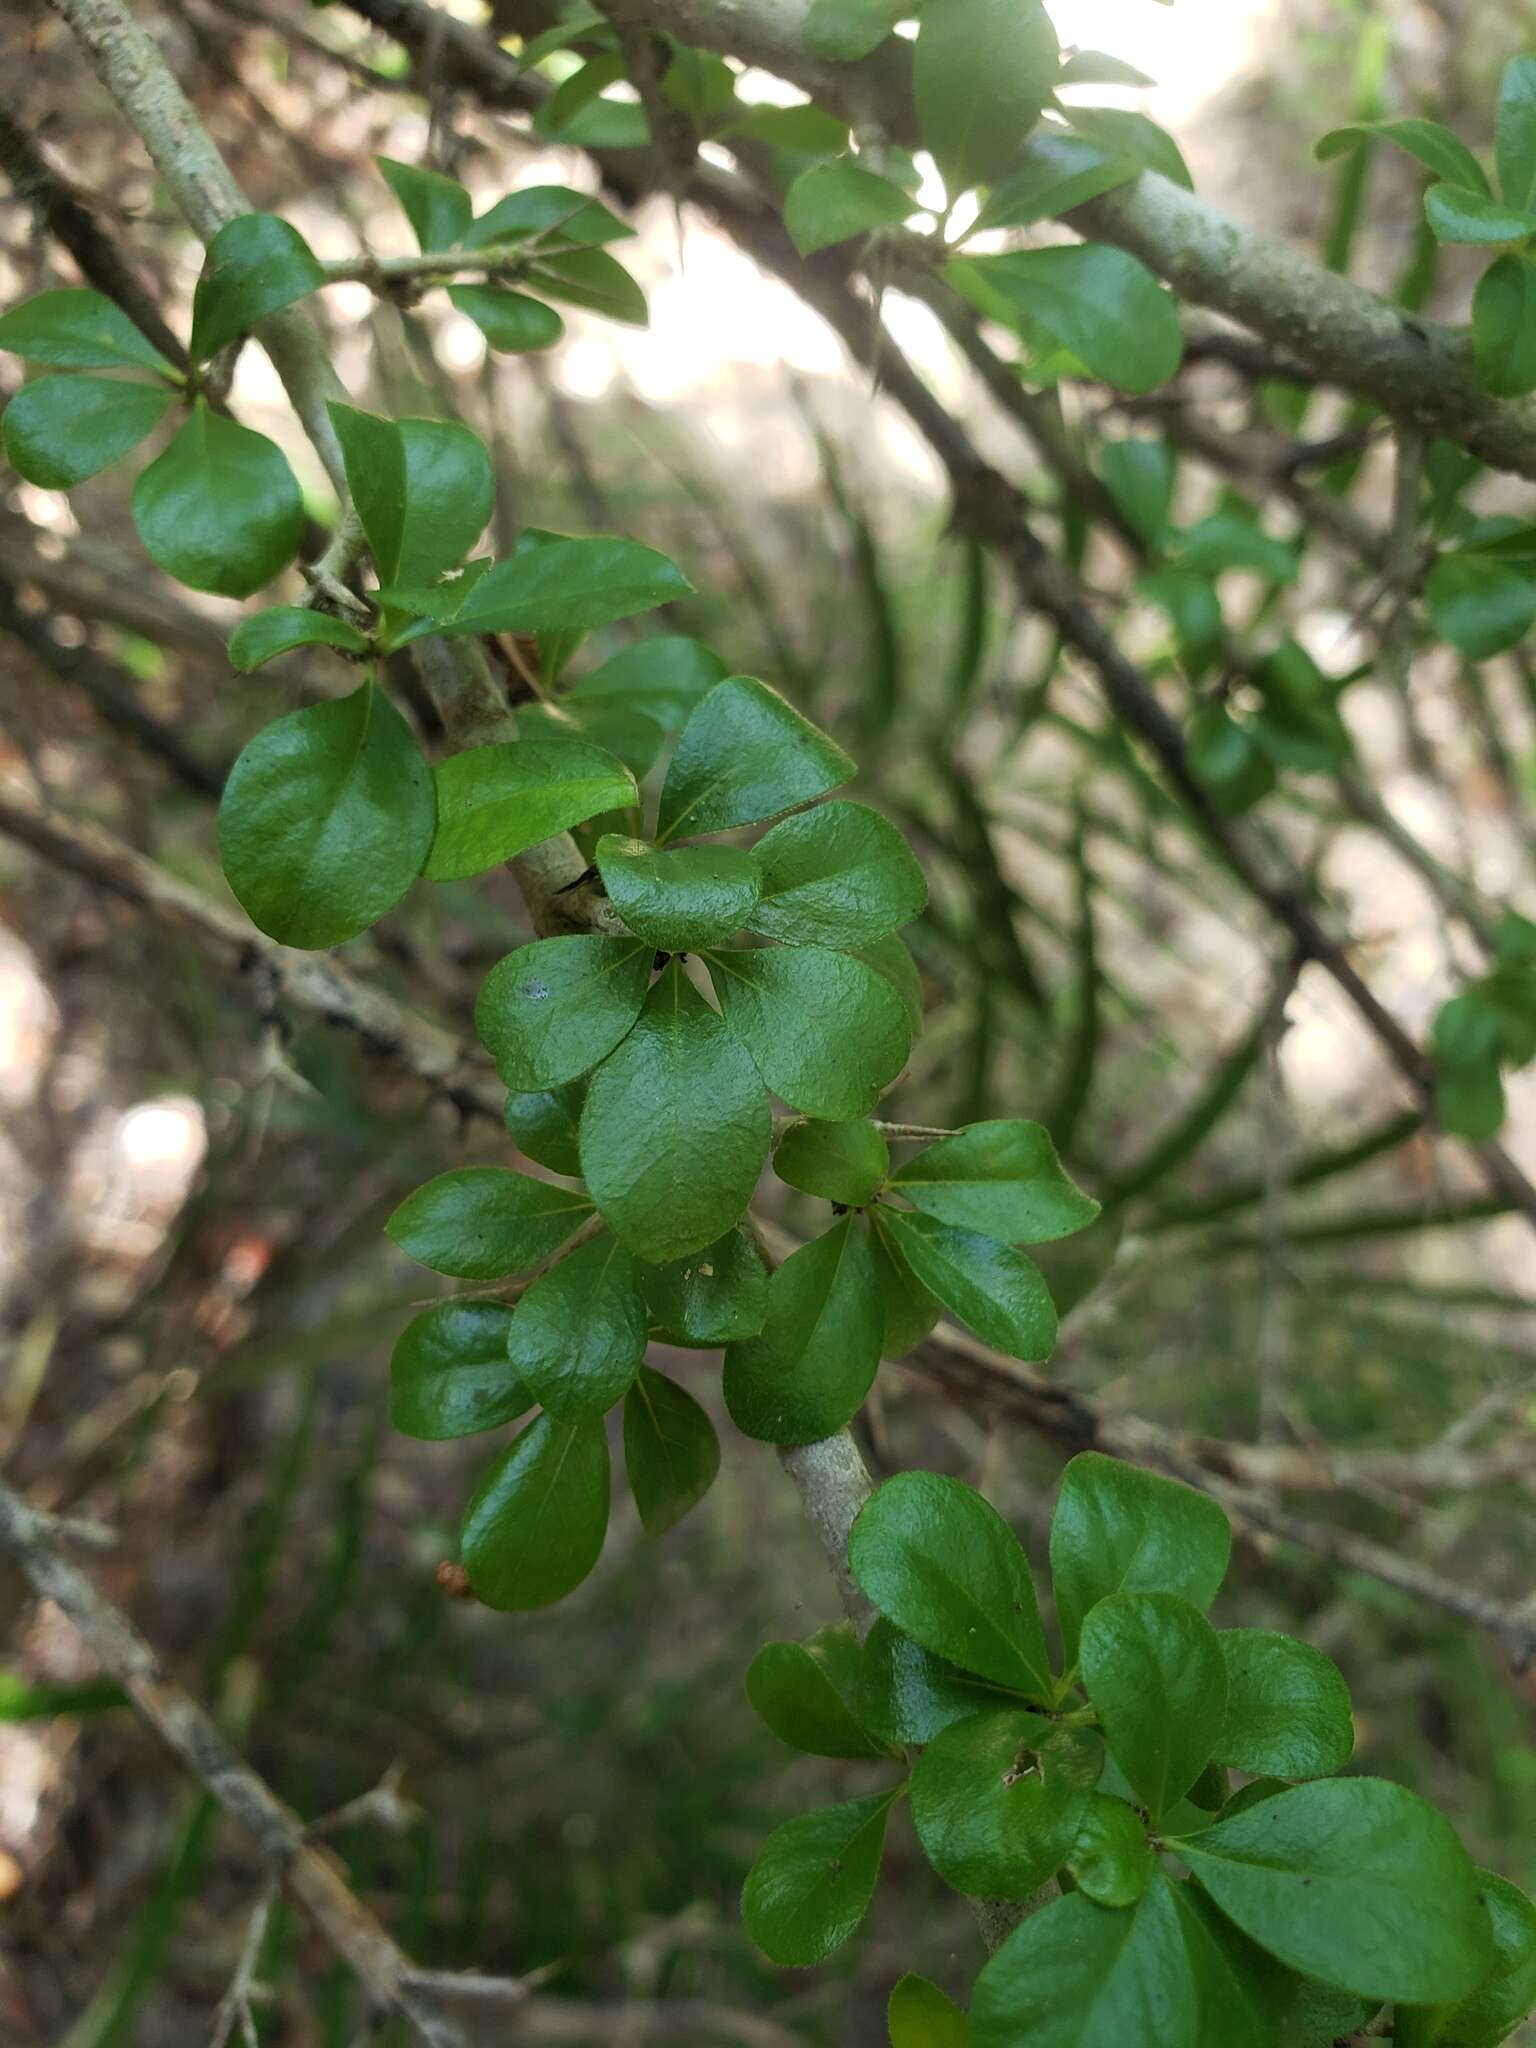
805 1693
997 1801
484 1221
745 754
678 901
841 1162
1001 1178
992 1288
544 1124
282 627
534 1527
661 679
74 328
838 875
1507 1991
494 802
449 1375
1077 1975
60 430
1153 1667
1110 1857
981 72
578 1335
255 265
550 1011
220 509
713 1297
827 1033
671 1452
510 321
1288 1712
813 1881
808 1373
438 208
1099 302
906 1694
920 2015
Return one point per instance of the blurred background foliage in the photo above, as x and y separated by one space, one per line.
196 1300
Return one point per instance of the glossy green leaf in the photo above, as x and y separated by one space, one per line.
920 2015
1288 1712
590 278
1515 132
1139 475
993 1289
808 1372
1457 215
1504 326
1434 146
73 328
1001 1178
326 819
806 1692
422 488
838 875
661 679
449 1374
578 1335
1153 1667
981 72
535 1525
60 430
907 1695
997 1801
1353 1880
485 1221
676 1128
1110 1858
282 627
834 201
1099 302
713 1297
565 585
494 802
813 1880
255 265
844 30
550 1011
554 213
680 900
745 755
1301 2012
544 1122
219 509
438 208
1133 135
827 1034
510 321
841 1162
1118 1529
1507 1991
910 1310
1054 172
671 1452
1481 605
889 957
944 1566
1077 1975
1470 1100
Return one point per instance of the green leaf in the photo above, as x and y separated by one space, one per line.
808 1373
592 279
578 1335
839 875
678 901
1110 1857
813 1880
1077 1975
944 1566
921 2016
1515 133
907 1695
1054 173
1287 1707
712 1298
554 213
1100 303
997 1801
676 1127
485 1221
535 1525
745 755
1000 1178
1224 756
550 1011
910 1310
662 679
1504 326
568 585
422 488
1153 1667
842 31
1302 2012
60 430
832 202
255 265
77 329
494 802
981 72
1508 1988
1470 1101
282 627
510 321
1435 147
220 509
326 819
805 1692
1119 1529
1458 216
1134 136
827 1033
995 1290
449 1375
1353 1880
1138 475
889 957
544 1122
841 1162
1226 540
671 1451
438 208
1096 67
1481 605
